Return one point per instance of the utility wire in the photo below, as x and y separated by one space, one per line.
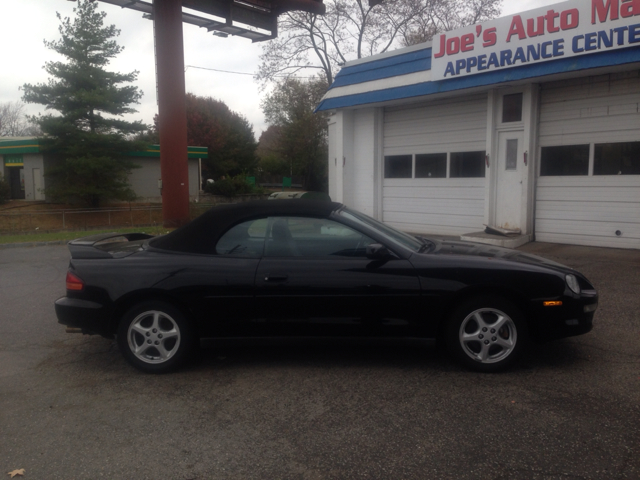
216 70
229 71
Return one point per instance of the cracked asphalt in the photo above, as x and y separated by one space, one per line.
70 408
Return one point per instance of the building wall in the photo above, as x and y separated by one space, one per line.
362 175
144 180
34 181
458 123
448 206
590 209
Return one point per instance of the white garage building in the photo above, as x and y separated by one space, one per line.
528 122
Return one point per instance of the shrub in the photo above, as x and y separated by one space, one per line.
230 187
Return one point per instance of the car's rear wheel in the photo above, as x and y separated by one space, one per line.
155 337
486 334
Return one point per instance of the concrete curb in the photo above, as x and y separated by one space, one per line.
33 244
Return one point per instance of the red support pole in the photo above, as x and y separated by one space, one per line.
172 112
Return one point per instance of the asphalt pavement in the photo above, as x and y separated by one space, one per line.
71 408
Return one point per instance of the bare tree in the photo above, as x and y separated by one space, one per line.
354 29
447 15
13 121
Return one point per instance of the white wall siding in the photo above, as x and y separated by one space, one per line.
446 206
589 210
598 109
458 124
361 170
333 160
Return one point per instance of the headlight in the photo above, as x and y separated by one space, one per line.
572 282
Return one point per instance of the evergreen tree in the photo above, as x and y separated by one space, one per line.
227 134
89 138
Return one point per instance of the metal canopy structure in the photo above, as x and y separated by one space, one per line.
256 20
240 18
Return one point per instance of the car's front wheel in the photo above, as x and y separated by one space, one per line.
486 333
155 337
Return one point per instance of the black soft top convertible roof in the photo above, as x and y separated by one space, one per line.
202 234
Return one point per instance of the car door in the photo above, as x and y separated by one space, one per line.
315 279
221 286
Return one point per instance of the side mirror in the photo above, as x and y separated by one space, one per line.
377 251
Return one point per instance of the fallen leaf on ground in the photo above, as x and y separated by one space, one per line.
16 472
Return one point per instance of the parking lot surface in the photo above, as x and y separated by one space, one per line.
71 408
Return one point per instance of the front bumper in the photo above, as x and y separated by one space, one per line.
90 317
574 317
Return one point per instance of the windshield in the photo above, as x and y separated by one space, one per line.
391 233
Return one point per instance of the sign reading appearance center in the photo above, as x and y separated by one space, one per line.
568 29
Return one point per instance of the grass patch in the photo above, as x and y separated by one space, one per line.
73 234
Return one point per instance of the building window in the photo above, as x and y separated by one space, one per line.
432 165
467 164
564 161
398 166
617 159
512 154
512 108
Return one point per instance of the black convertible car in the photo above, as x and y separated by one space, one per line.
305 268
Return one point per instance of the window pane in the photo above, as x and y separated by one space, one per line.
564 161
314 237
617 159
467 164
397 166
512 108
512 154
432 165
405 239
244 240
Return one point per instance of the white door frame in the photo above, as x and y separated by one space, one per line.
528 128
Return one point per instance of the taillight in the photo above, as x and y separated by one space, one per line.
74 282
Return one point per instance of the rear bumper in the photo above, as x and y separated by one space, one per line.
90 317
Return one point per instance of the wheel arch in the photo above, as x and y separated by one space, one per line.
130 300
518 299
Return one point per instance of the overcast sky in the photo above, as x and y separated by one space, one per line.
26 23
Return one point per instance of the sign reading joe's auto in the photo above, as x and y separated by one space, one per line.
569 29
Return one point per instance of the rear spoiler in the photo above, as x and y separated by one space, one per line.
92 246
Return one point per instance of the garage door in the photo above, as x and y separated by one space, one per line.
588 189
434 166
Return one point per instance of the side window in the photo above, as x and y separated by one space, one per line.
244 240
398 166
467 164
313 237
617 159
566 160
432 165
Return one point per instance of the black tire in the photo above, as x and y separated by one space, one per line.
486 334
155 337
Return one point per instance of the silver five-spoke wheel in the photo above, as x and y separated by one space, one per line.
154 337
488 335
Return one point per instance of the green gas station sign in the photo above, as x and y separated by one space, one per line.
13 160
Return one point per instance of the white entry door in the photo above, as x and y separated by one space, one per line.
511 170
37 185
